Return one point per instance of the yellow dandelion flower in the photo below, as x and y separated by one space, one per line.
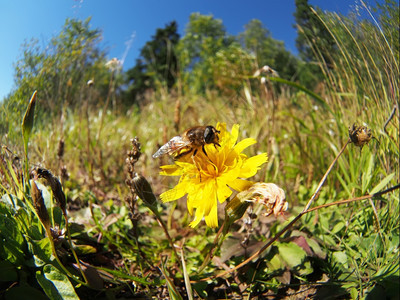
209 179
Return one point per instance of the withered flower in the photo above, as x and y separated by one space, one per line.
38 203
55 187
360 135
271 196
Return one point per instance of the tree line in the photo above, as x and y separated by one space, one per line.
72 69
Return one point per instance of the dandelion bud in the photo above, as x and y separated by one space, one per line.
360 135
55 187
236 208
38 203
143 190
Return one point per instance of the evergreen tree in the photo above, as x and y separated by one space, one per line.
157 63
313 41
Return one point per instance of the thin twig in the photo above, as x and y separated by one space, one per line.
325 176
389 119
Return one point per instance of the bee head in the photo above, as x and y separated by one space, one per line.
210 135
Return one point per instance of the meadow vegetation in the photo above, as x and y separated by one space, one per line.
81 215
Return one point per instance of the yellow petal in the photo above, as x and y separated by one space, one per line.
223 191
177 192
251 165
198 217
171 170
209 198
244 144
240 184
234 135
212 217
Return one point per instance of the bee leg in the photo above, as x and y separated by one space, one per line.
204 150
194 162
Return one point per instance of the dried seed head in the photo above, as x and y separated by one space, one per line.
271 196
55 187
113 64
360 135
143 189
38 203
60 150
135 153
266 70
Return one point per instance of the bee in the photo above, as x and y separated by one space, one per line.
190 142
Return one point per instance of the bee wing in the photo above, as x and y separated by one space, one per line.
175 144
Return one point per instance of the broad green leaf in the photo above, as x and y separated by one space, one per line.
48 287
316 248
41 250
12 243
61 282
341 258
275 264
338 227
291 253
382 184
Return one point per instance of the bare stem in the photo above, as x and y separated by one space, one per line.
325 176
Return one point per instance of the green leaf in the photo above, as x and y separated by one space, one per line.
124 275
85 249
48 287
41 250
12 241
338 227
275 264
382 184
316 97
172 290
61 282
341 258
316 248
291 253
367 176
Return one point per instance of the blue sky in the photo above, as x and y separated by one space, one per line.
125 20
